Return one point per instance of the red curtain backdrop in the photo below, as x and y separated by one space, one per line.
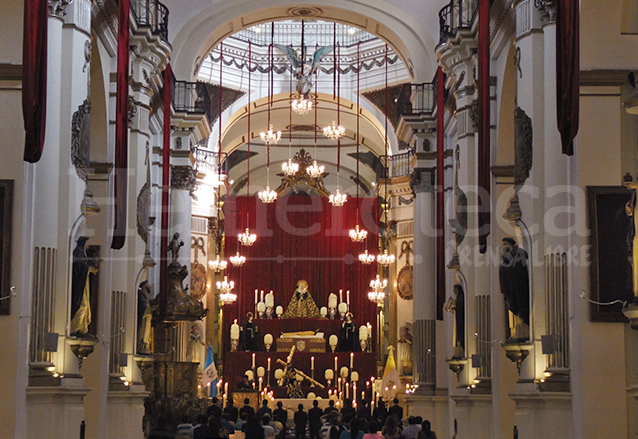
301 237
567 72
484 218
34 77
121 126
440 202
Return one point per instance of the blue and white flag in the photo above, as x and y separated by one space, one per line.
210 377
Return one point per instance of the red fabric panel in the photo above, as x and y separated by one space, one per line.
301 238
166 175
567 72
34 77
237 363
484 218
121 126
440 199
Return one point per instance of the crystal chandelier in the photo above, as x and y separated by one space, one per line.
385 259
358 235
247 238
290 168
377 297
267 196
338 199
365 258
237 260
217 265
315 171
226 288
377 294
334 132
270 137
302 106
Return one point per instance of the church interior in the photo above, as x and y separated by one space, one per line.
359 201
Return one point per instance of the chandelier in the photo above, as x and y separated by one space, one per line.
377 297
237 260
365 258
302 105
315 171
270 137
334 131
218 265
226 288
338 199
290 168
247 238
377 294
267 196
357 235
385 259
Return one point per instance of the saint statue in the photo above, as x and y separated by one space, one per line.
83 268
348 342
250 334
144 317
406 351
514 280
194 342
456 305
174 246
301 305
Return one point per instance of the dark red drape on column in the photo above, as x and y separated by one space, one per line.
298 238
121 126
34 77
484 218
567 72
166 175
440 201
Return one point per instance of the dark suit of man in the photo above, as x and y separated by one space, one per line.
397 411
250 412
301 418
314 418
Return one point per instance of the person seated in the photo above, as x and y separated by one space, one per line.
412 430
254 429
202 430
274 423
269 431
161 432
231 410
373 431
243 418
244 384
226 423
264 409
396 410
250 412
426 431
347 411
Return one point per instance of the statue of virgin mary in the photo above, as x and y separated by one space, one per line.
301 305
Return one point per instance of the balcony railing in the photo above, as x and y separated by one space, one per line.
151 13
397 165
190 97
458 14
207 162
417 99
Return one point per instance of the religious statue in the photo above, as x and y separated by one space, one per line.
144 317
632 242
406 351
301 305
250 334
289 377
174 246
348 341
84 267
514 280
303 72
456 305
192 348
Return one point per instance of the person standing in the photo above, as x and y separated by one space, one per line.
380 412
396 410
331 408
314 419
161 432
282 416
264 409
412 430
232 410
301 418
250 412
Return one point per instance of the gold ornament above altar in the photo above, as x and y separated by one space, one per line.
301 181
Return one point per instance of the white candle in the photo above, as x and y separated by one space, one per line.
347 390
260 383
269 365
340 296
225 389
253 361
262 296
348 298
312 362
351 360
335 366
256 296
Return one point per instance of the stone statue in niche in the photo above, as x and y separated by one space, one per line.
144 317
514 281
632 242
194 343
405 344
84 267
456 305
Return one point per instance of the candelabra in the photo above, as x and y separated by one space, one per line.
218 265
385 259
270 137
315 171
302 106
247 238
358 235
337 199
334 132
365 258
290 168
237 260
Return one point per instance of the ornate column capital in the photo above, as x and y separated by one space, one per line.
183 178
57 8
422 180
547 10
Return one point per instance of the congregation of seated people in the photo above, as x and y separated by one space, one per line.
330 423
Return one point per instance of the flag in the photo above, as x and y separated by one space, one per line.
390 383
210 377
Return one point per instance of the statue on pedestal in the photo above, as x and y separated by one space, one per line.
301 305
514 280
144 318
348 342
84 267
250 334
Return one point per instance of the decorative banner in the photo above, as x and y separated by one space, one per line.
484 217
440 194
567 72
121 126
34 77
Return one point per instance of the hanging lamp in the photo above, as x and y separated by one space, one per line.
315 171
358 235
338 199
290 168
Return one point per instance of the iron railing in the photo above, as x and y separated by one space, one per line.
190 97
151 13
397 165
458 14
207 161
417 99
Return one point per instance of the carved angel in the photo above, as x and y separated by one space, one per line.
303 71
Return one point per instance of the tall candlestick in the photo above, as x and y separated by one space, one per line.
260 383
363 395
262 296
351 360
339 384
269 365
347 389
340 296
253 361
225 389
256 297
312 362
348 299
335 366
